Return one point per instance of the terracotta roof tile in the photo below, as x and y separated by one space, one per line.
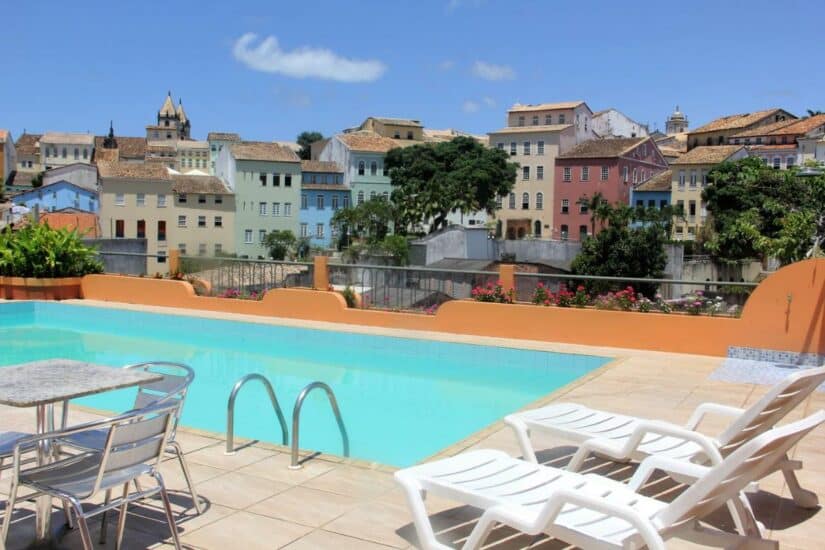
659 182
545 106
369 142
129 147
603 148
320 166
733 122
133 170
260 150
399 121
799 127
67 137
28 144
222 136
708 154
199 184
765 129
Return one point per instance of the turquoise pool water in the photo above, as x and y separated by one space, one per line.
402 399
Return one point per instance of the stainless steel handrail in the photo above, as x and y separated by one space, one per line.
296 420
230 410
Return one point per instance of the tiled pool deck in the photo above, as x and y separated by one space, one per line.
253 501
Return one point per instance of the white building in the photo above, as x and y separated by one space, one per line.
64 148
612 123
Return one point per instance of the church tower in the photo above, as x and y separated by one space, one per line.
172 123
676 123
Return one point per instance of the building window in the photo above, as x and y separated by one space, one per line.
218 221
565 206
525 201
409 134
373 168
201 221
521 121
561 119
372 195
693 178
385 195
76 153
500 146
161 200
360 197
304 202
535 120
319 202
681 179
304 230
119 228
201 249
540 147
345 203
539 201
512 148
512 201
319 230
585 173
276 179
120 199
247 236
361 167
525 172
201 199
181 221
262 179
691 209
218 199
539 172
287 180
789 162
287 209
182 198
563 231
335 202
161 230
218 249
625 173
582 232
182 248
635 176
582 206
605 172
567 174
141 229
499 202
262 209
141 199
276 209
651 203
261 235
161 257
526 148
64 152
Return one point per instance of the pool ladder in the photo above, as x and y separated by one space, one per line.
296 415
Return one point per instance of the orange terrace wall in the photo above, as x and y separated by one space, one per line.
786 312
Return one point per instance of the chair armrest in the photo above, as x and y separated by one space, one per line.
707 408
681 469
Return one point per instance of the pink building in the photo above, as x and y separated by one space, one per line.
607 166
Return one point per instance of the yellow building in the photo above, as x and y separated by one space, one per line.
690 177
7 155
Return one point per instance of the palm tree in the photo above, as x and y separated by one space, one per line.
811 113
592 204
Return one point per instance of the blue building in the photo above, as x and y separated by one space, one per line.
59 195
653 192
322 193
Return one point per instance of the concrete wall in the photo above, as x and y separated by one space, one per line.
558 253
113 263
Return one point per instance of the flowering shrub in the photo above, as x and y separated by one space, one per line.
696 303
581 298
494 293
542 296
241 294
564 298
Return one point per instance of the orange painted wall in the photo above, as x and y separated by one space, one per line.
768 320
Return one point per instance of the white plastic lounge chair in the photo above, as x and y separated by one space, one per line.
591 511
622 438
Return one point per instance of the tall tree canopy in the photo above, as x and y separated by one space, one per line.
757 211
622 250
433 180
305 140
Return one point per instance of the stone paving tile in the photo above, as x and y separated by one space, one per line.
216 456
305 506
247 531
276 468
325 539
238 491
349 480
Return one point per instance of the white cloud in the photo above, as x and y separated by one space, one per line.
446 65
490 71
470 106
304 62
489 101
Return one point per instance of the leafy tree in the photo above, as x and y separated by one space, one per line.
757 211
37 180
279 243
812 112
367 222
433 180
305 140
598 207
620 250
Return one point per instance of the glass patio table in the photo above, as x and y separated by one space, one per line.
41 384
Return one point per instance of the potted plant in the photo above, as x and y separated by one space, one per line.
38 262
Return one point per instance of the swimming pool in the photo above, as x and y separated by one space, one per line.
402 399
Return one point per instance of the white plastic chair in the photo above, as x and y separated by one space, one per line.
134 446
594 512
622 438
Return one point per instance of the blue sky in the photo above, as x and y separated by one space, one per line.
270 69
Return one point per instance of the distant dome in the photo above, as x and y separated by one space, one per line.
677 114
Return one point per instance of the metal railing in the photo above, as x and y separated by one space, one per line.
247 277
230 410
296 420
406 288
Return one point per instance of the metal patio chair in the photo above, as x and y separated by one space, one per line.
134 446
177 378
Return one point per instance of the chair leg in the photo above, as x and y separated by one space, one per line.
67 511
85 535
104 517
176 448
121 520
170 518
9 510
523 437
802 497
